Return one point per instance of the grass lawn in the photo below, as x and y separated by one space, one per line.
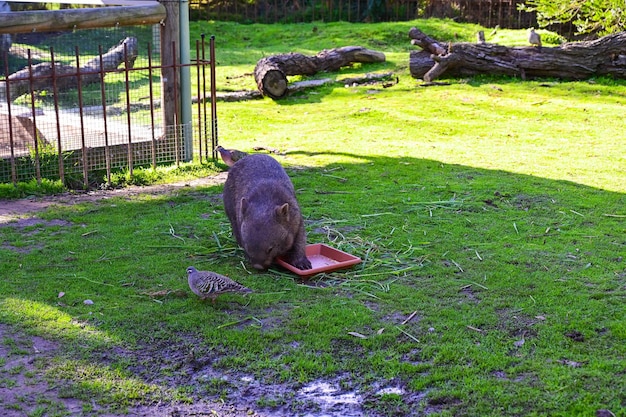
490 215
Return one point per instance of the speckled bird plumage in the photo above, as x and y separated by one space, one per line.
209 284
230 156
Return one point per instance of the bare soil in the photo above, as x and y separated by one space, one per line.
12 209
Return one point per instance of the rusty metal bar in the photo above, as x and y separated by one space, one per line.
33 111
201 98
79 85
10 118
55 93
103 95
153 145
213 98
176 118
127 87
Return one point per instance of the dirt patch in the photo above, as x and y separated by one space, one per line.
25 389
14 209
21 383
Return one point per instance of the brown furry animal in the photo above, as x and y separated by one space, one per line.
260 202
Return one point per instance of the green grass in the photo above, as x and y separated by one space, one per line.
491 207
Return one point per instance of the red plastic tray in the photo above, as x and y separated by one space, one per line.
323 259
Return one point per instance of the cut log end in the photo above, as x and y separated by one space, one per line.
274 84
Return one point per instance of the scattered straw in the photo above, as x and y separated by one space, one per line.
173 233
409 335
377 214
408 319
476 329
236 322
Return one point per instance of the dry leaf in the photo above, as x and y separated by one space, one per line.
381 330
61 294
88 302
519 343
359 335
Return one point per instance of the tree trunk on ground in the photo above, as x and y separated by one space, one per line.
575 60
66 75
271 72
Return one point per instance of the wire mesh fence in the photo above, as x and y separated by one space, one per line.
489 13
76 105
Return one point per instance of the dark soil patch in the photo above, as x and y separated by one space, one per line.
13 209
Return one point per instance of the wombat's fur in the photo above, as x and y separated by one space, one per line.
261 204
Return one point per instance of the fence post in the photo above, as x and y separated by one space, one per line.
170 35
185 81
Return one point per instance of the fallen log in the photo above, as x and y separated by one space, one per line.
574 60
270 73
66 75
385 79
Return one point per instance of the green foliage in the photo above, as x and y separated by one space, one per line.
24 189
598 17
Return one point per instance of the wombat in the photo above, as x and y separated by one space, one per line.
261 204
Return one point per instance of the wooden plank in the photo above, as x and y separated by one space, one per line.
93 2
88 18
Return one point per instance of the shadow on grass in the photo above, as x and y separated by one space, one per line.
516 284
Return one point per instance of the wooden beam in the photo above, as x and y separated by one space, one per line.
93 2
88 18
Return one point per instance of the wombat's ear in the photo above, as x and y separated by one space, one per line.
283 211
244 205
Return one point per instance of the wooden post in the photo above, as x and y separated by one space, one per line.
170 35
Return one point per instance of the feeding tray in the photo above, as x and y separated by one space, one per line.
323 259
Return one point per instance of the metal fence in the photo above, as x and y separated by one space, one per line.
78 114
489 13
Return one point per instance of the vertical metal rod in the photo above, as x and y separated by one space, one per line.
213 98
55 94
206 148
127 87
151 105
201 97
8 95
177 107
103 96
82 121
33 114
184 79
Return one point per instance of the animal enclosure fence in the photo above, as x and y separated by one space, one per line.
79 105
489 13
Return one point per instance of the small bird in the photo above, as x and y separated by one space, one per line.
534 38
230 156
209 284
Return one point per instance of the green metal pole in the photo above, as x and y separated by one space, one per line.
185 80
